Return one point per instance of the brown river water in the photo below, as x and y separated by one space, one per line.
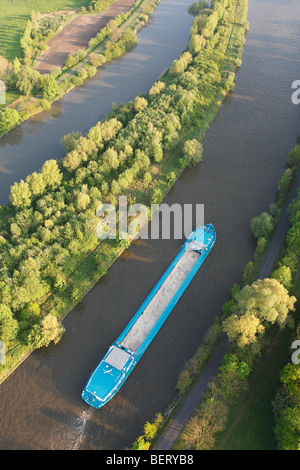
245 153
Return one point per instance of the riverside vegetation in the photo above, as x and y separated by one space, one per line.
50 254
284 284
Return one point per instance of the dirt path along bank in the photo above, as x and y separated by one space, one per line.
77 34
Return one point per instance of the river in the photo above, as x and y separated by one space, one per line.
245 153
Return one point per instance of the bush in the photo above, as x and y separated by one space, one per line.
171 177
147 178
179 65
182 163
141 444
70 61
82 73
28 80
192 152
283 275
262 225
150 431
184 381
196 43
8 325
42 334
75 295
284 184
157 196
8 119
91 70
294 156
46 105
157 88
140 103
129 39
77 81
50 88
195 8
248 271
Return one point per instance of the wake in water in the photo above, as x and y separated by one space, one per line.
70 436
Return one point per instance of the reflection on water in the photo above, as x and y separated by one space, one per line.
14 137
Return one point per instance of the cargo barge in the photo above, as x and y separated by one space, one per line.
125 352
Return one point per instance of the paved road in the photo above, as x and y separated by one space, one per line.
186 410
279 236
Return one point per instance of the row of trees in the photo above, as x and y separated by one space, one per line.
286 407
39 30
264 302
211 416
255 308
27 81
263 224
269 301
286 404
116 43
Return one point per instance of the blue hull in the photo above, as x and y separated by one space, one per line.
125 352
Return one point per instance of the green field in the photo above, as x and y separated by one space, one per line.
14 15
251 422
